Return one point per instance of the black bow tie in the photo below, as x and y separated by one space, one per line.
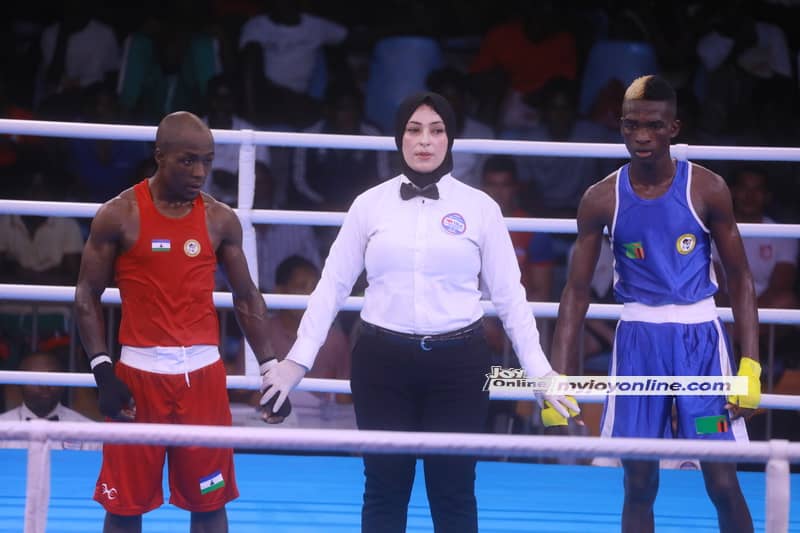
53 418
409 191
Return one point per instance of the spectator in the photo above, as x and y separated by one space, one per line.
330 179
297 275
453 85
559 182
166 67
17 152
277 242
534 250
279 51
518 57
738 54
40 250
77 51
43 402
103 168
772 260
223 183
535 255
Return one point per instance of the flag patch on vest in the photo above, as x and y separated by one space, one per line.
211 482
160 245
634 250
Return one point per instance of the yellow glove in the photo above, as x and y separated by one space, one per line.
552 417
750 369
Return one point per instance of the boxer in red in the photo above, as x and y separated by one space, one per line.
160 242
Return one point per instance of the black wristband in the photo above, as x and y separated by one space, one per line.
98 358
102 368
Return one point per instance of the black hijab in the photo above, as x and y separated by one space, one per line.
404 112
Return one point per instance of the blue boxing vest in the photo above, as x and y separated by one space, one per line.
662 250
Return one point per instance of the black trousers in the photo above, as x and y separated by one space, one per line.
399 386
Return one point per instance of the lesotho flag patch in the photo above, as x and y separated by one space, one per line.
160 245
211 482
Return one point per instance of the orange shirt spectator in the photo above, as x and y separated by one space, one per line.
529 64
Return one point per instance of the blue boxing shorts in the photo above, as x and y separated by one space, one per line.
671 340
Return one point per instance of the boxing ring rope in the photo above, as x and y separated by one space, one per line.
334 218
249 138
339 386
82 130
46 293
778 454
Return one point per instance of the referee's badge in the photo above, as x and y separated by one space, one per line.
685 243
191 248
454 224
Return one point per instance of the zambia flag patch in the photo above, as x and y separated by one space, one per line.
634 250
211 482
706 425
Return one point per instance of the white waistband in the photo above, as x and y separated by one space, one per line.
169 359
696 313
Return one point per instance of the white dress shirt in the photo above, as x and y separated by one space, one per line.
424 259
64 414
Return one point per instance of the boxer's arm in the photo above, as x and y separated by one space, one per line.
577 291
725 232
592 218
250 309
96 272
248 303
717 200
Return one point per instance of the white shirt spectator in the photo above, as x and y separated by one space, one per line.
424 259
91 52
54 239
61 413
290 52
226 157
763 253
770 54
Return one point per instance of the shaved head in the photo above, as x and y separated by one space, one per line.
41 362
179 129
184 154
41 399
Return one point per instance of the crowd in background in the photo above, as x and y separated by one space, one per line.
544 71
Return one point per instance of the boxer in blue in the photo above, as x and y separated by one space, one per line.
662 215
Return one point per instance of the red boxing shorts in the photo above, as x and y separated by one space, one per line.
200 479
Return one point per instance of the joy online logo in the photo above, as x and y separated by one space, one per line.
111 493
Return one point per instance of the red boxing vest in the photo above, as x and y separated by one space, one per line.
166 280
